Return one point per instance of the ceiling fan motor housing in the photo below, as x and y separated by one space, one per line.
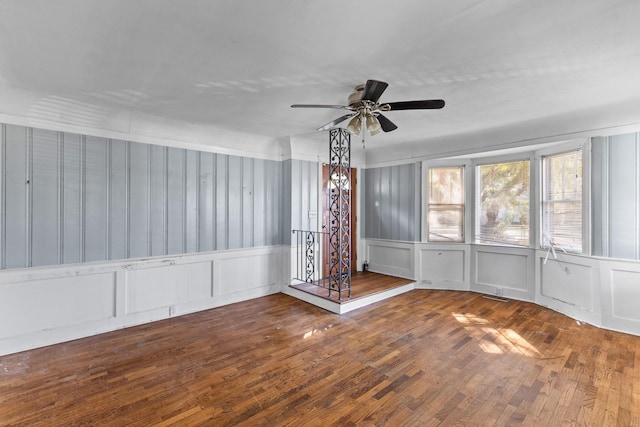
356 95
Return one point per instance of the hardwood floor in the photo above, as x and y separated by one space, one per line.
362 284
421 358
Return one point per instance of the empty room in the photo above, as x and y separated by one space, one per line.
269 213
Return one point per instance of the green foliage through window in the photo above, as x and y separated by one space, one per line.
502 214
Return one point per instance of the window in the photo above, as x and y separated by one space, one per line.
502 203
562 201
446 204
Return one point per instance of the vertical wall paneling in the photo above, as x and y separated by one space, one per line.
259 203
314 195
395 176
300 192
71 207
416 190
69 198
60 184
175 201
247 202
207 190
377 204
270 200
371 187
118 189
597 177
623 217
108 233
221 199
277 215
29 199
276 186
95 199
234 202
185 206
138 200
286 223
295 168
303 211
616 196
404 203
3 190
15 182
367 213
192 200
385 203
157 200
392 208
45 196
637 194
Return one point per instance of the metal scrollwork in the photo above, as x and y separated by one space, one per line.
310 269
339 212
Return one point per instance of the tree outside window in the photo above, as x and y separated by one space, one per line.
502 214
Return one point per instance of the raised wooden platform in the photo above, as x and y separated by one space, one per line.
362 285
366 288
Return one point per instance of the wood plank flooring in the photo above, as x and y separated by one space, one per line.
422 358
362 285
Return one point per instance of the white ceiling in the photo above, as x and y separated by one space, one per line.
222 72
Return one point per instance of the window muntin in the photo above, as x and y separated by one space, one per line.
445 222
502 203
562 201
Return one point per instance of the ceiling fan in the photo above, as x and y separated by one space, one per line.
365 111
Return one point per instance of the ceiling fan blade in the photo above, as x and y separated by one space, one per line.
386 124
340 107
336 121
427 104
372 90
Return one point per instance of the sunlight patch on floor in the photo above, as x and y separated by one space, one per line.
495 340
316 331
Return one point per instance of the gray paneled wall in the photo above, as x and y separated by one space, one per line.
300 197
304 195
616 196
70 198
392 202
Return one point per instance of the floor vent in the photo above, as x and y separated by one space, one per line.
495 298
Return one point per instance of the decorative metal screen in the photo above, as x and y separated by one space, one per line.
339 212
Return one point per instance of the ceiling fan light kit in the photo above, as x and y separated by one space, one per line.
366 111
355 125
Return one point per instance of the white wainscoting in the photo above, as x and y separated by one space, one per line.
47 305
620 295
569 284
391 257
503 271
601 291
444 266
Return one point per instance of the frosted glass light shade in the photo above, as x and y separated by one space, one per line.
355 126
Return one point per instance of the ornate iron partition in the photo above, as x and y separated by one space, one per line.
339 212
310 245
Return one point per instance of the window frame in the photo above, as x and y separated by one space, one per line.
463 205
583 145
533 189
463 163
